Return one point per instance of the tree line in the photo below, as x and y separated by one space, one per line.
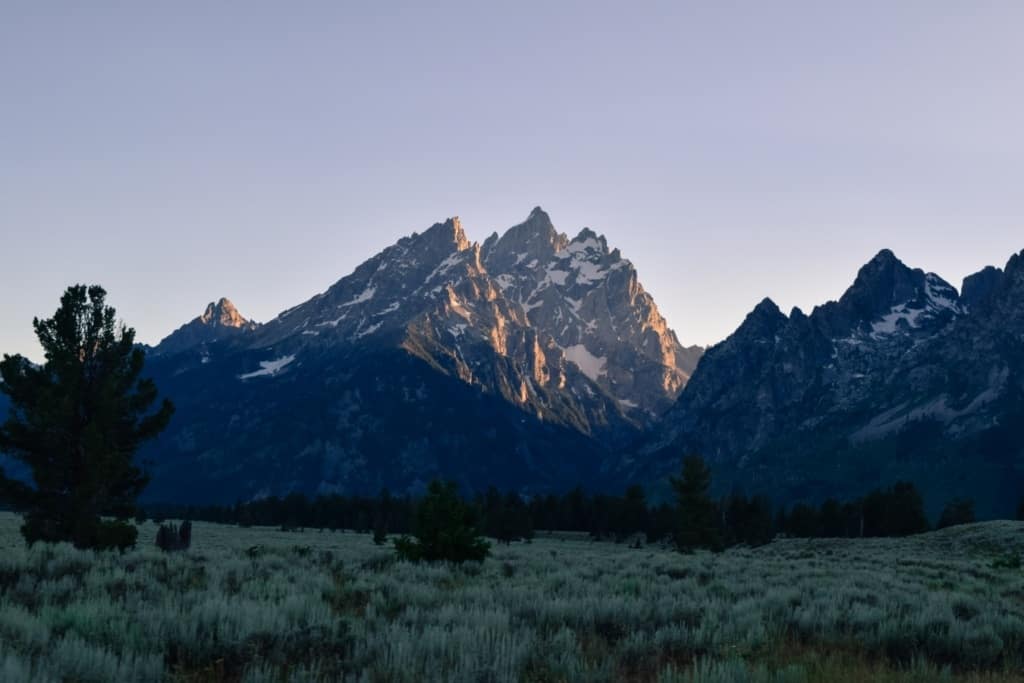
692 520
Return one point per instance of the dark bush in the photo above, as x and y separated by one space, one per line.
170 538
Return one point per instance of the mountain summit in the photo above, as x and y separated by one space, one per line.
590 301
220 321
222 314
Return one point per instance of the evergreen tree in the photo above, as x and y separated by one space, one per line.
578 511
957 511
515 524
491 511
782 520
632 517
697 519
907 510
832 519
661 523
804 521
734 510
897 511
853 519
759 529
443 529
76 422
748 520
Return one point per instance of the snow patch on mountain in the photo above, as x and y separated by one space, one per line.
362 332
504 281
366 295
890 323
269 368
590 365
938 296
557 276
446 265
333 323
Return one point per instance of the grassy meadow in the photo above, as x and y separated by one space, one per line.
255 604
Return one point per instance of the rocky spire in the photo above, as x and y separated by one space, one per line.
979 286
446 234
763 322
535 239
220 320
882 282
222 314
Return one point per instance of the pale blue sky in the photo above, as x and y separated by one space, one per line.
179 152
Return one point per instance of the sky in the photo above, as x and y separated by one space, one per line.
180 152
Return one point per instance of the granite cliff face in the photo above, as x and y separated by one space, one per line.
588 298
901 377
531 355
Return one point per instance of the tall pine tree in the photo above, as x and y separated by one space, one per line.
444 529
76 422
697 519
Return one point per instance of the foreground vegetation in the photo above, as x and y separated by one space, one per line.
260 604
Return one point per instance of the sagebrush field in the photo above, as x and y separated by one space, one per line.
258 604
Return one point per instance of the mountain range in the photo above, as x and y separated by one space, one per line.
903 377
537 362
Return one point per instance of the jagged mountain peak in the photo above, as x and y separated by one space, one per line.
767 307
386 292
537 213
886 297
764 320
977 287
590 244
590 300
885 281
1014 269
532 242
885 257
449 232
222 313
219 320
587 234
883 278
997 289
